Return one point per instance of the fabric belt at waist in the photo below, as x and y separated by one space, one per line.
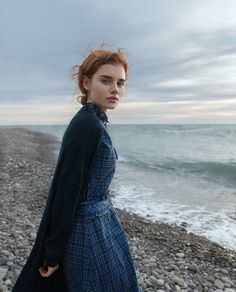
96 207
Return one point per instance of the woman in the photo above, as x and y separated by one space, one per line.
80 244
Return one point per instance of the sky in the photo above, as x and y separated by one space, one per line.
182 56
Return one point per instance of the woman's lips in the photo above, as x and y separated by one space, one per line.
114 99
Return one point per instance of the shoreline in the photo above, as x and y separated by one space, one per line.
166 257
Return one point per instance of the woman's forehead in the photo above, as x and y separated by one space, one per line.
112 70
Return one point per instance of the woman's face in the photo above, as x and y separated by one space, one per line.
107 86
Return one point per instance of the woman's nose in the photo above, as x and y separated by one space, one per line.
114 88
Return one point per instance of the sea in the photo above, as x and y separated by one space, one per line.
177 174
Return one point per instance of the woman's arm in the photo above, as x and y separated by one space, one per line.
81 142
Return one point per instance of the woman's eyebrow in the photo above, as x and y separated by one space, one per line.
109 77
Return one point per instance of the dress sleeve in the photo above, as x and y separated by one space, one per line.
80 144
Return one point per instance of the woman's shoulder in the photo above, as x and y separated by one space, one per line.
86 120
83 124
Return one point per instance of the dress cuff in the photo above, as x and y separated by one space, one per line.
50 262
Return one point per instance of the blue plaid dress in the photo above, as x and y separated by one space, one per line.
97 256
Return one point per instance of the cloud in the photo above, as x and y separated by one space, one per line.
56 110
217 111
178 50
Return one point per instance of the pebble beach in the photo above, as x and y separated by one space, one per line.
166 257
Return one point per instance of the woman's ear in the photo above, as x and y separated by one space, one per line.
86 83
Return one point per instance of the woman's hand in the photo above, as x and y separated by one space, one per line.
46 271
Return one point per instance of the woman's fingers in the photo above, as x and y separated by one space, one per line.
46 271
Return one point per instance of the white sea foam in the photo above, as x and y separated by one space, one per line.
205 208
216 226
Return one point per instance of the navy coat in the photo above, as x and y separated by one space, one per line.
78 149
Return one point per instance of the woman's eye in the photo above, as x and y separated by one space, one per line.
121 84
105 81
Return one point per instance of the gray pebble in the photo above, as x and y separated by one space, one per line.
143 285
219 284
3 272
160 282
180 255
224 271
153 279
155 273
192 268
178 280
3 288
148 283
226 280
8 282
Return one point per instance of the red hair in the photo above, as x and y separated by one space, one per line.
92 62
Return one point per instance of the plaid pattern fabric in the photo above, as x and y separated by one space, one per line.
103 168
97 256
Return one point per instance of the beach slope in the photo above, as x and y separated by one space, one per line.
166 257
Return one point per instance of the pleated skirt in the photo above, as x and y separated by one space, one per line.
97 256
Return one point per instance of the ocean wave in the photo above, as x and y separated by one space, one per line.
221 172
218 131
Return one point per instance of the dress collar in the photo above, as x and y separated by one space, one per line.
96 109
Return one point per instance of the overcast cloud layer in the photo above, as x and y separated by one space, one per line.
182 55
